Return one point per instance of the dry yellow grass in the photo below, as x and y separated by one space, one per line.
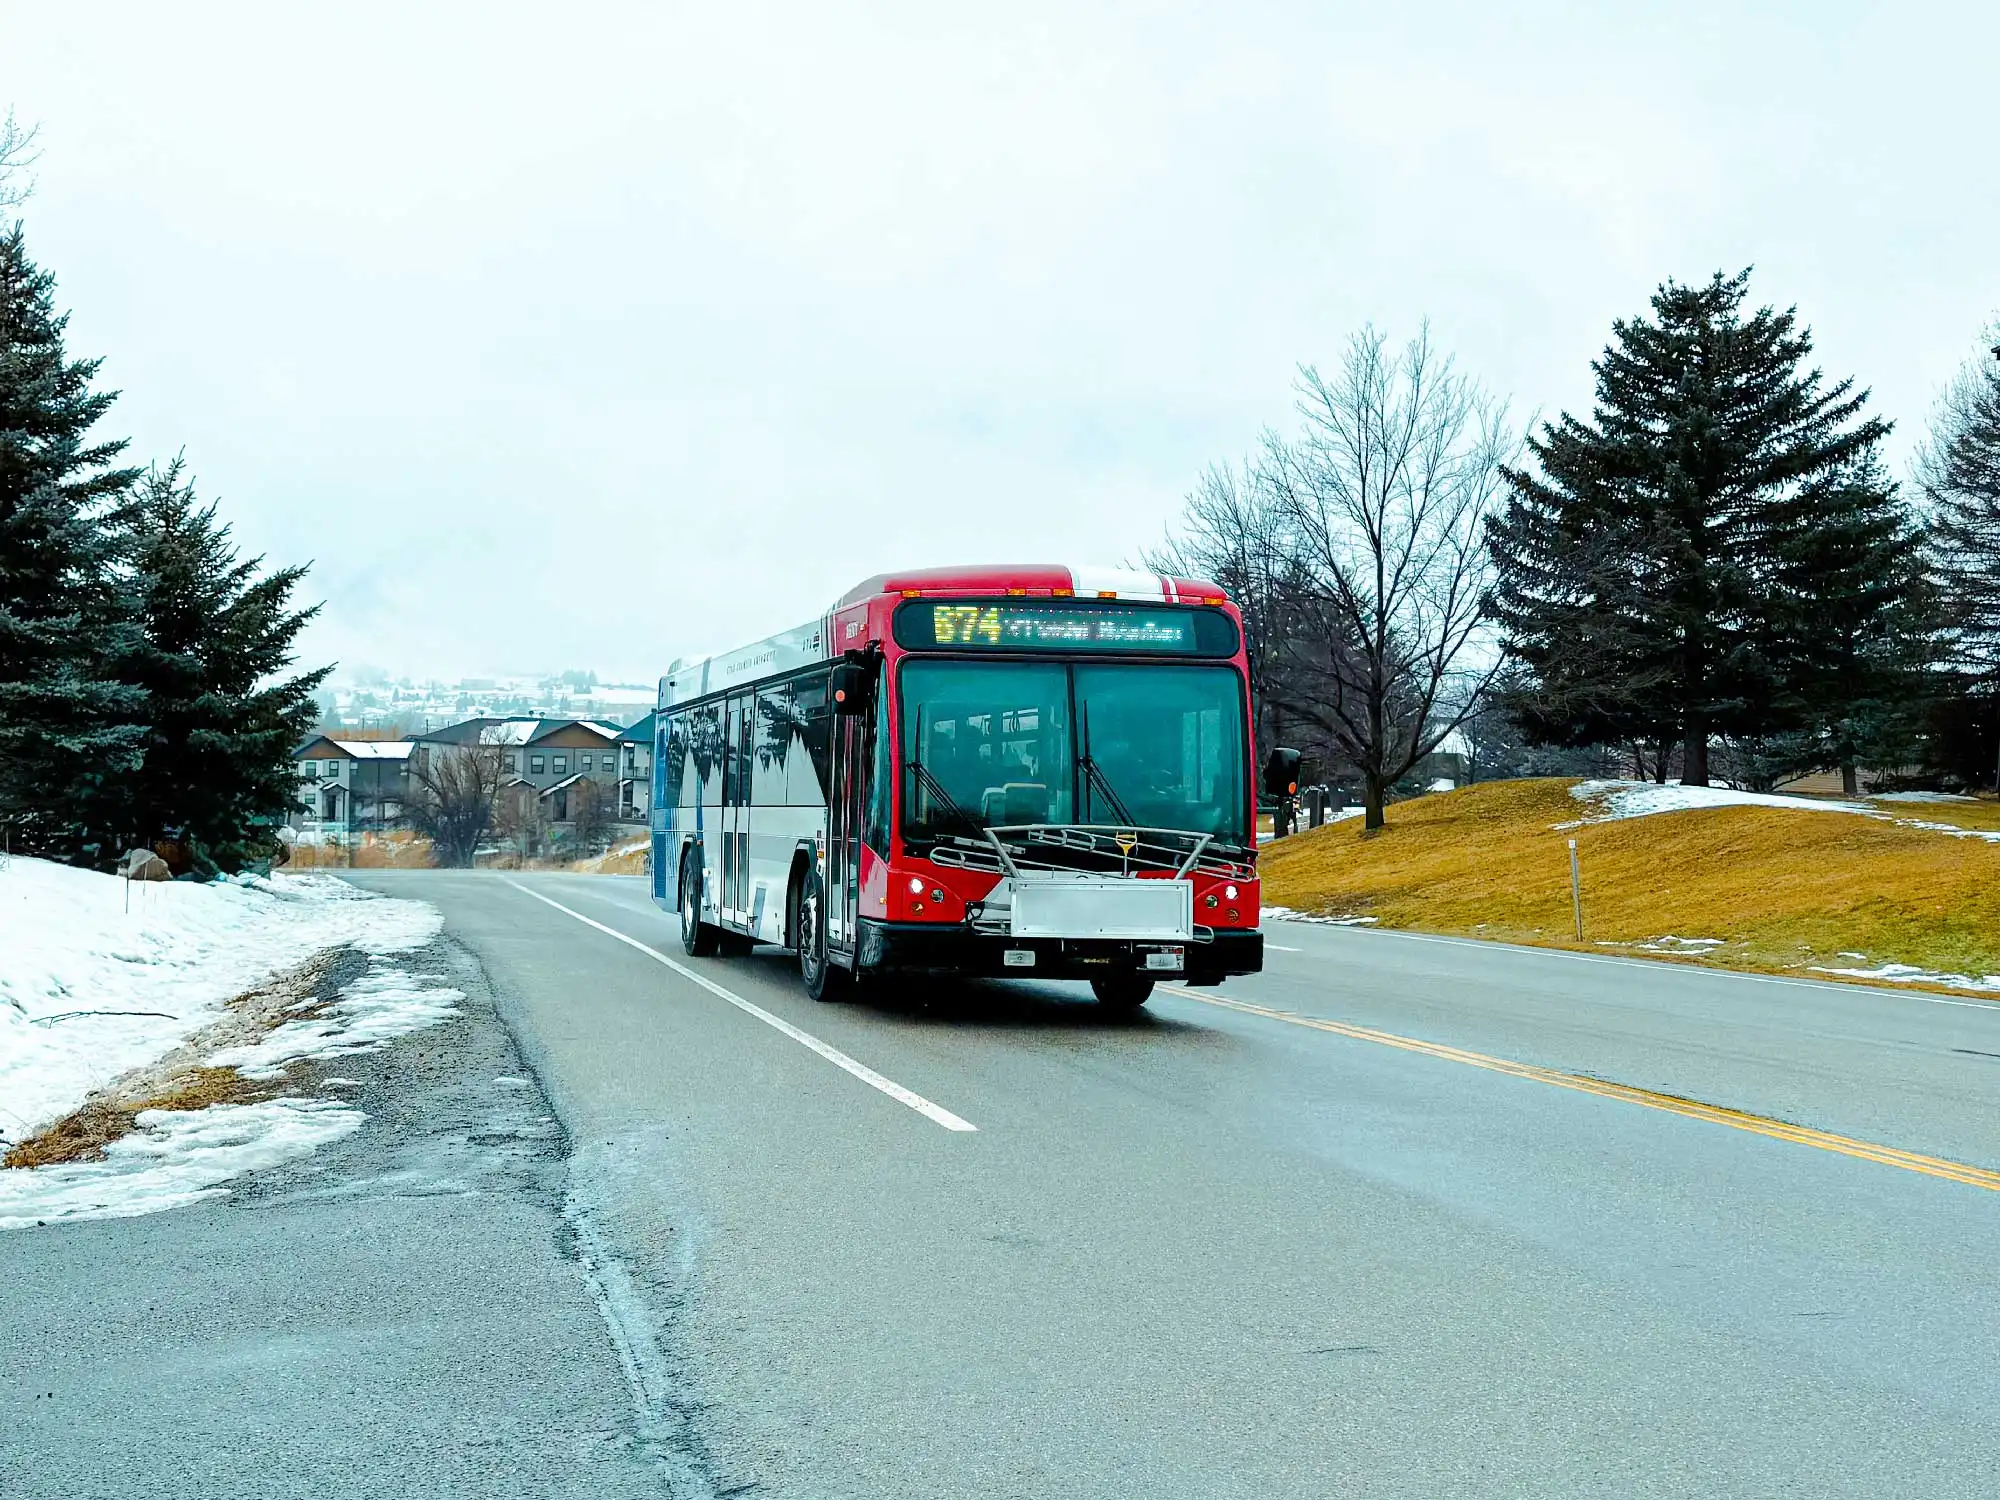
83 1134
383 851
628 858
1786 890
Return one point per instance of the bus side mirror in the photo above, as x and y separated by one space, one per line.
849 688
1281 773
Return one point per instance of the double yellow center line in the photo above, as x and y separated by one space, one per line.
1693 1109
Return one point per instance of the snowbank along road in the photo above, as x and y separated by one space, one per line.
1400 1216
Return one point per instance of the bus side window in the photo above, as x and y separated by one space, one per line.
682 790
771 744
705 740
809 709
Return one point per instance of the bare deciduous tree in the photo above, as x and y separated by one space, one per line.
589 828
523 821
454 791
17 154
1381 503
1230 535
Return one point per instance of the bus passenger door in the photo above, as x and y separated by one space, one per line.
735 823
851 760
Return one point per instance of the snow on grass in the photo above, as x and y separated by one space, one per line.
1921 797
1613 801
90 990
1988 834
1909 974
1286 914
173 1158
1667 944
383 1004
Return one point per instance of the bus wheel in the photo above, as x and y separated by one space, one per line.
824 979
697 937
1122 991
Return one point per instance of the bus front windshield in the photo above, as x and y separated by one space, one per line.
1142 745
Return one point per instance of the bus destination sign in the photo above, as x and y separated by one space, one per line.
1036 626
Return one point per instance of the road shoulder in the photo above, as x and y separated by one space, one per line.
407 1311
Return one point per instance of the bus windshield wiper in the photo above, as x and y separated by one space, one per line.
928 783
1094 778
934 788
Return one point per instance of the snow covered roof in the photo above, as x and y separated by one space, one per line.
548 727
483 731
570 781
375 749
323 746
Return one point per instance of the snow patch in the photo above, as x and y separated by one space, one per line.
1286 914
90 990
1921 797
1667 944
383 1004
1617 800
1908 974
1986 834
173 1158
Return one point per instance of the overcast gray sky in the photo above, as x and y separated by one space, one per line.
591 335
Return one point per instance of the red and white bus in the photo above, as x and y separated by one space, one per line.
1033 771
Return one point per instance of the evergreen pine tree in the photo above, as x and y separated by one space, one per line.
66 727
1850 634
1960 474
222 722
1642 571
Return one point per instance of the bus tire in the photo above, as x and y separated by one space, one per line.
700 939
822 977
1122 991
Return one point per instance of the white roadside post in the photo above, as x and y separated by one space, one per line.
1576 889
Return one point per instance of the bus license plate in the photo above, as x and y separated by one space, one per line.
1019 958
1167 958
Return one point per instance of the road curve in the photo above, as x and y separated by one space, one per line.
1401 1216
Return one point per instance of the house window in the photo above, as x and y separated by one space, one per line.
514 760
535 765
561 764
309 769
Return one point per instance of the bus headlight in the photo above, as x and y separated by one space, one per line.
1229 892
916 885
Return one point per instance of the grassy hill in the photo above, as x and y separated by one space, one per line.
1775 889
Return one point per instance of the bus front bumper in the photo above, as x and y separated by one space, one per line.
927 948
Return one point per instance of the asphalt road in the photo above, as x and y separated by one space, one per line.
1384 1233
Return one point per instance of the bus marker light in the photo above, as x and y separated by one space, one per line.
1232 914
1018 958
913 593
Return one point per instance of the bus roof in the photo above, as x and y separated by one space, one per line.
1037 578
695 677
